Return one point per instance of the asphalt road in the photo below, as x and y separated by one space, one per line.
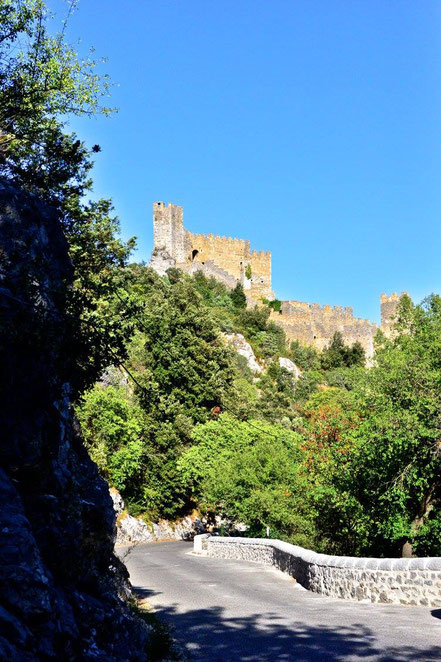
235 610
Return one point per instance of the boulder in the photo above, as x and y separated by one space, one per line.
243 348
290 366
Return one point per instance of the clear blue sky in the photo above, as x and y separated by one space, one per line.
311 128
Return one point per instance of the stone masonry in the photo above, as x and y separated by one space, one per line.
232 261
229 260
398 581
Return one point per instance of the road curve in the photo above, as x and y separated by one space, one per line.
235 610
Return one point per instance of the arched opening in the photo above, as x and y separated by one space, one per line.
194 255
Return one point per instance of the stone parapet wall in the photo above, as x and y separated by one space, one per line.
398 581
312 324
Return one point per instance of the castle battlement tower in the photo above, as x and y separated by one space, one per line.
232 261
227 259
169 234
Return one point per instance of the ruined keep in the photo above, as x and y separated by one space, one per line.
231 261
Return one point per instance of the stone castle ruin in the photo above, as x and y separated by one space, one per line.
232 261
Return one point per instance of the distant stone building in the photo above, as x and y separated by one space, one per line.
231 261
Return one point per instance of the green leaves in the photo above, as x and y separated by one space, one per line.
248 472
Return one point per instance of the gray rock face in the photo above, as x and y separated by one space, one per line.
290 366
160 261
61 587
243 348
132 529
117 500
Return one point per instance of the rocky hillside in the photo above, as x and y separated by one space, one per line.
61 587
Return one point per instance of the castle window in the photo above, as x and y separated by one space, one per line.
194 254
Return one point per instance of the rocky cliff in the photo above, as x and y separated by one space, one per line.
61 587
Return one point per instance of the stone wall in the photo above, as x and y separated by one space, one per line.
231 256
227 259
312 324
398 581
389 305
169 233
210 269
260 263
228 253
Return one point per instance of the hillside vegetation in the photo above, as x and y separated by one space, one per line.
345 459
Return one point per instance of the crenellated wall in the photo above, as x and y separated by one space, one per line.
389 305
312 324
232 256
232 261
229 254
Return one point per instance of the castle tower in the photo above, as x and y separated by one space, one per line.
389 306
169 234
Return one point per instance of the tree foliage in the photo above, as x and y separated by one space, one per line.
258 484
338 355
44 81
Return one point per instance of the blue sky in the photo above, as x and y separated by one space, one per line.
311 128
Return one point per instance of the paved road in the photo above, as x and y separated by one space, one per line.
235 610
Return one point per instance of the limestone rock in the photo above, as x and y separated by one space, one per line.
290 366
133 529
117 500
243 348
160 261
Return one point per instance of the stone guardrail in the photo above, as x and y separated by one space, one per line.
415 581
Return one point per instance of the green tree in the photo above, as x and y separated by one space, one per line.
304 356
397 466
338 355
377 455
183 370
258 483
115 430
238 297
43 81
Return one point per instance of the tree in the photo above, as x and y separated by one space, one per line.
304 356
383 496
397 467
337 354
258 484
42 83
183 369
238 297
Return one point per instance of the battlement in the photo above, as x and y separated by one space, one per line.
264 254
221 239
232 261
387 298
389 307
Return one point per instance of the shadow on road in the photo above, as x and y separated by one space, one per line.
208 635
